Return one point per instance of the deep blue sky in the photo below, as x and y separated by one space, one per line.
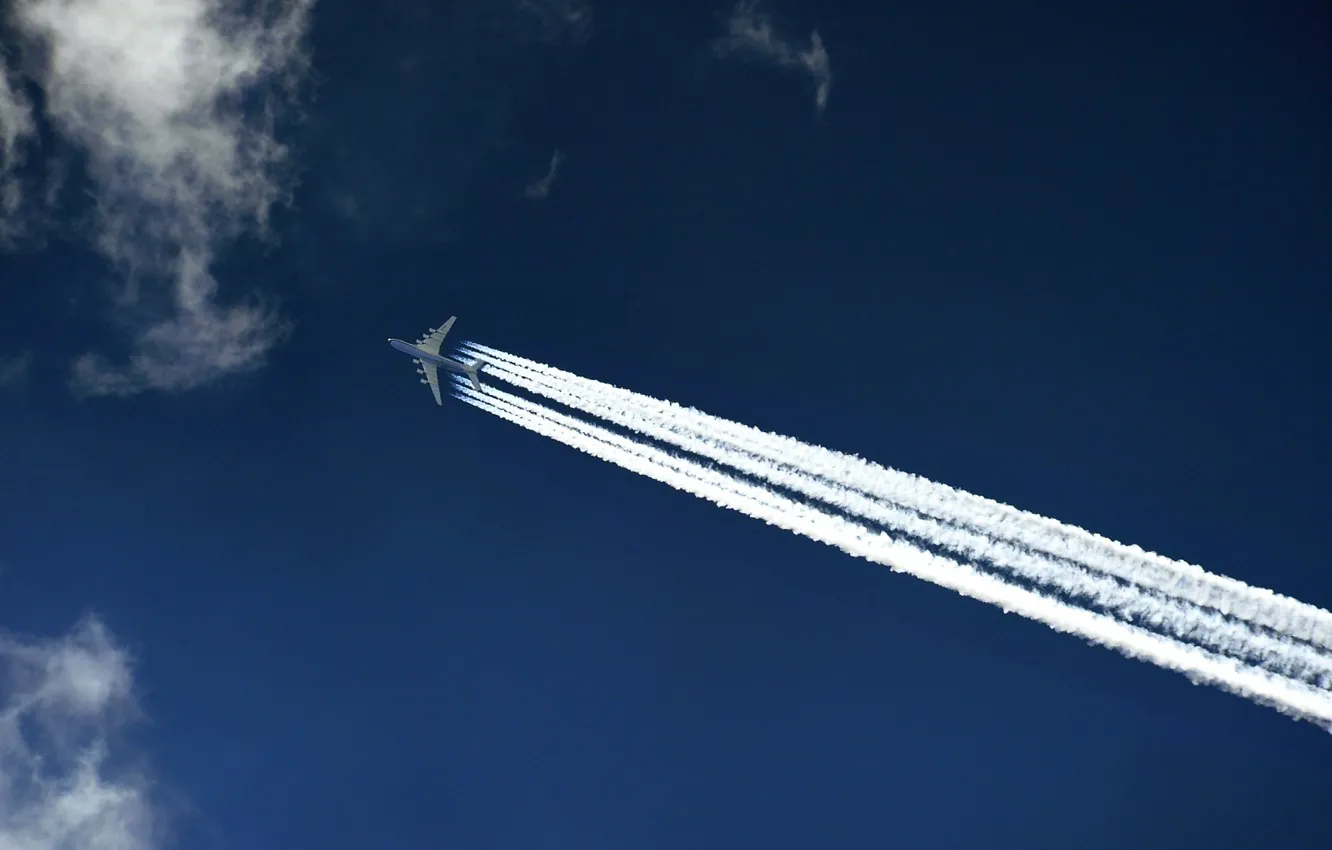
1069 256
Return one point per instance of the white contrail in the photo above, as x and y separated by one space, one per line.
1147 569
1151 608
1291 697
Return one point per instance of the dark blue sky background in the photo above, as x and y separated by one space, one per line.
1068 256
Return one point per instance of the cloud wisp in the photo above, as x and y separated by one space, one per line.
16 127
63 785
539 189
174 106
750 32
14 371
556 21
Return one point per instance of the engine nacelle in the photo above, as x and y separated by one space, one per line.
424 381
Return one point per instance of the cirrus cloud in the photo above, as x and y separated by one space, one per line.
751 33
63 785
174 106
14 371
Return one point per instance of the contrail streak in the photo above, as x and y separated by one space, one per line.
1178 579
1291 697
1145 607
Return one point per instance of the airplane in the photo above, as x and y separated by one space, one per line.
425 354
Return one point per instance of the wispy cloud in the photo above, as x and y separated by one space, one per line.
447 85
174 104
557 21
15 120
63 785
539 189
16 126
751 32
14 371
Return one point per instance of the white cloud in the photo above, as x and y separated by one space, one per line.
751 32
174 104
15 120
16 127
447 84
557 21
539 189
62 703
14 371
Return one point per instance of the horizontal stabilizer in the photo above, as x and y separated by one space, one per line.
474 371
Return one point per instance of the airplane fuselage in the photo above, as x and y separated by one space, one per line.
425 351
437 360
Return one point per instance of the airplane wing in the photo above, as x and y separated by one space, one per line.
431 343
432 378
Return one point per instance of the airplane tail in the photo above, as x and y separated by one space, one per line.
474 371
